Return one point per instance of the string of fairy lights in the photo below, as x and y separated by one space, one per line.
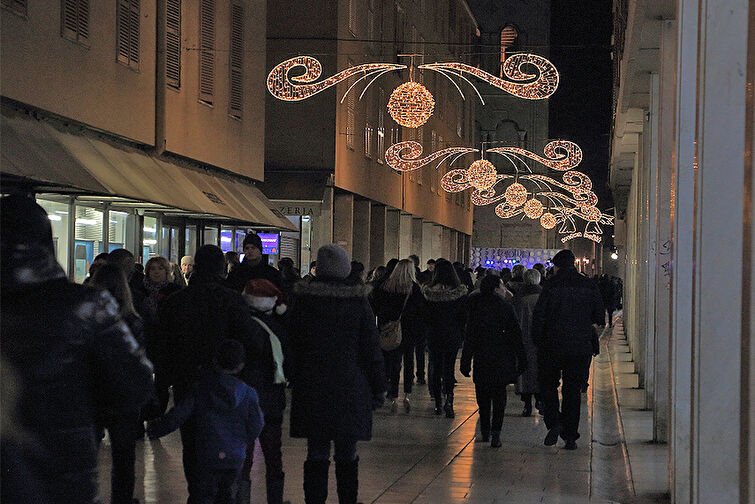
526 195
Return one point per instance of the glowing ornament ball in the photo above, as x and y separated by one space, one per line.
548 220
516 195
533 208
411 104
482 174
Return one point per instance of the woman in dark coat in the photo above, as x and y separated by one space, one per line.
338 375
494 342
400 298
444 315
524 305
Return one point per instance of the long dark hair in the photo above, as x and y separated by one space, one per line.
445 274
111 278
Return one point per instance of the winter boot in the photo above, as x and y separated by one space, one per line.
449 406
495 439
274 489
316 481
347 480
243 491
407 403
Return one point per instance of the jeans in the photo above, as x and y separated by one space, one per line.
215 486
443 366
270 442
487 394
419 352
393 360
571 370
319 449
123 431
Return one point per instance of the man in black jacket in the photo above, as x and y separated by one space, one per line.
254 265
562 329
75 359
192 324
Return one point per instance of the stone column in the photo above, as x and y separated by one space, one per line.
392 225
427 242
417 239
437 241
377 235
343 221
405 236
361 232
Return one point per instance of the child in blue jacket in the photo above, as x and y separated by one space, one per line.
228 418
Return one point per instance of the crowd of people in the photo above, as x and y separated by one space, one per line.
227 338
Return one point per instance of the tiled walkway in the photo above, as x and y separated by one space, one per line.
414 458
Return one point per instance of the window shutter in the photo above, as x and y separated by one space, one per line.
17 6
74 19
207 51
82 19
237 60
128 33
173 43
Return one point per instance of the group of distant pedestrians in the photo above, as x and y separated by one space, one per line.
230 342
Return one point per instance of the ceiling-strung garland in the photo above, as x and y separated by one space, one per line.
528 195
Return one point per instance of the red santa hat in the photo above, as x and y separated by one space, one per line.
264 296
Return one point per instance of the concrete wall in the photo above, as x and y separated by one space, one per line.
83 82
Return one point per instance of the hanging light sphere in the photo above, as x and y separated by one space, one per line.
548 220
482 174
591 213
411 104
516 195
533 208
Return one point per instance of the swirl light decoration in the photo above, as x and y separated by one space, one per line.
411 104
300 87
403 162
561 155
521 84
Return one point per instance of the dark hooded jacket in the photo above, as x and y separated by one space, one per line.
338 373
194 321
243 272
565 311
77 362
493 340
228 418
444 313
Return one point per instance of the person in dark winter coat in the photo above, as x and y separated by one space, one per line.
192 324
524 305
124 259
76 359
338 374
269 380
566 341
494 342
254 265
444 314
228 418
400 298
125 427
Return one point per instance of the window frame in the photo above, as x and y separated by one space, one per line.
70 34
133 58
236 71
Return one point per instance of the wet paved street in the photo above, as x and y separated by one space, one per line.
414 458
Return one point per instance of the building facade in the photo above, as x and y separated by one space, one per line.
508 27
324 156
138 124
682 176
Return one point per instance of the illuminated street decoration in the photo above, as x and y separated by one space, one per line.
520 83
300 87
548 220
533 208
403 162
560 155
515 195
411 104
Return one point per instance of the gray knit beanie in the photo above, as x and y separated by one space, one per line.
332 262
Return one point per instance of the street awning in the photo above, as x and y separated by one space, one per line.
40 151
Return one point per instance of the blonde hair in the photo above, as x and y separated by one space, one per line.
402 278
161 262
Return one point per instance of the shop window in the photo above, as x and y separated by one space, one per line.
210 236
226 239
57 212
239 241
150 246
122 227
128 19
190 247
74 20
88 240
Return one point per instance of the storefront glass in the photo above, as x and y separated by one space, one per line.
149 241
239 240
122 231
89 240
226 239
191 240
57 212
210 236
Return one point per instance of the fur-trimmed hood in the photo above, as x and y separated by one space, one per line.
331 289
439 294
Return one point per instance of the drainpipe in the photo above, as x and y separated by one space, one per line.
160 79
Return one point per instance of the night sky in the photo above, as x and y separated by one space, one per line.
580 110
